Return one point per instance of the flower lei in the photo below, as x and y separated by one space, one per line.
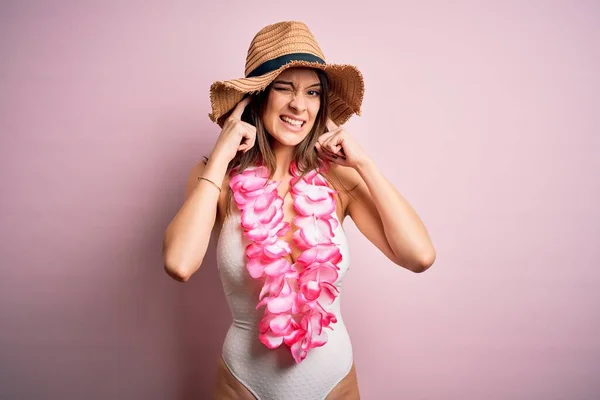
295 312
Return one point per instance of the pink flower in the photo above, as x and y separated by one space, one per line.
274 284
308 336
313 199
317 283
274 328
295 312
314 231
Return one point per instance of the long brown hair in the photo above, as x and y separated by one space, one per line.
305 154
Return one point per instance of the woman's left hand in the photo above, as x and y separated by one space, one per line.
339 147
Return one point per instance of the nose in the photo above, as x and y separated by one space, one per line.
298 103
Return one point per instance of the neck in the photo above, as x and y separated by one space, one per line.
284 155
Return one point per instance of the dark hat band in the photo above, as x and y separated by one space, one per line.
276 63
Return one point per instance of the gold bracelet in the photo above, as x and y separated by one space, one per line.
208 180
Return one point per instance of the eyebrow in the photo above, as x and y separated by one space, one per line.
292 84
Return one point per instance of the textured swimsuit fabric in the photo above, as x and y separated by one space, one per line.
273 374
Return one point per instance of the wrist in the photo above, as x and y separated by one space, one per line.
364 165
216 157
215 169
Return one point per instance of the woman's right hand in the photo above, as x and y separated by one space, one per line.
236 134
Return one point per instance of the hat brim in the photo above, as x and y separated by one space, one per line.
346 90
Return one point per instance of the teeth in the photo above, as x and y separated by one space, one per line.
292 121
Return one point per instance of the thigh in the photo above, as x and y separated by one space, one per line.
347 389
227 387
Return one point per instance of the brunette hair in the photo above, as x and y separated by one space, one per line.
305 154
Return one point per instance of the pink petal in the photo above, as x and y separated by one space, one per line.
264 322
253 250
273 286
292 273
318 193
321 181
327 253
299 241
334 224
236 181
311 290
264 201
336 259
281 229
320 209
294 169
318 340
278 205
280 249
328 293
263 302
280 324
262 171
299 187
241 199
311 175
314 230
302 221
308 256
268 214
252 183
255 267
270 340
298 352
328 317
295 335
306 325
250 218
320 272
315 322
317 233
278 267
258 234
287 289
321 253
281 304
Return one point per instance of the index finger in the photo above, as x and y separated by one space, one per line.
331 125
239 108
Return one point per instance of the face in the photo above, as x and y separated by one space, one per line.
292 105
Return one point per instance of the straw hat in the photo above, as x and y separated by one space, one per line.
280 46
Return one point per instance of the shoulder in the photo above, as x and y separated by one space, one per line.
345 177
344 180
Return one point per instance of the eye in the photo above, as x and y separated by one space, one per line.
282 89
314 93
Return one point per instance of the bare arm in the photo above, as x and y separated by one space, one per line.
388 220
188 234
376 207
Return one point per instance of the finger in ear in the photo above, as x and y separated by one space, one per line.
330 125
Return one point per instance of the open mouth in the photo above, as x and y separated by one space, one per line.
291 122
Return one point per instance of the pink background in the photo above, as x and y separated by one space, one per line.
485 115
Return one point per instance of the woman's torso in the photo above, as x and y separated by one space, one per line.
243 353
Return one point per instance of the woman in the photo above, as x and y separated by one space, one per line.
282 177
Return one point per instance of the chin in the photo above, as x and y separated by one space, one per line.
289 140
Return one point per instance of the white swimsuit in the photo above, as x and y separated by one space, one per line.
272 374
